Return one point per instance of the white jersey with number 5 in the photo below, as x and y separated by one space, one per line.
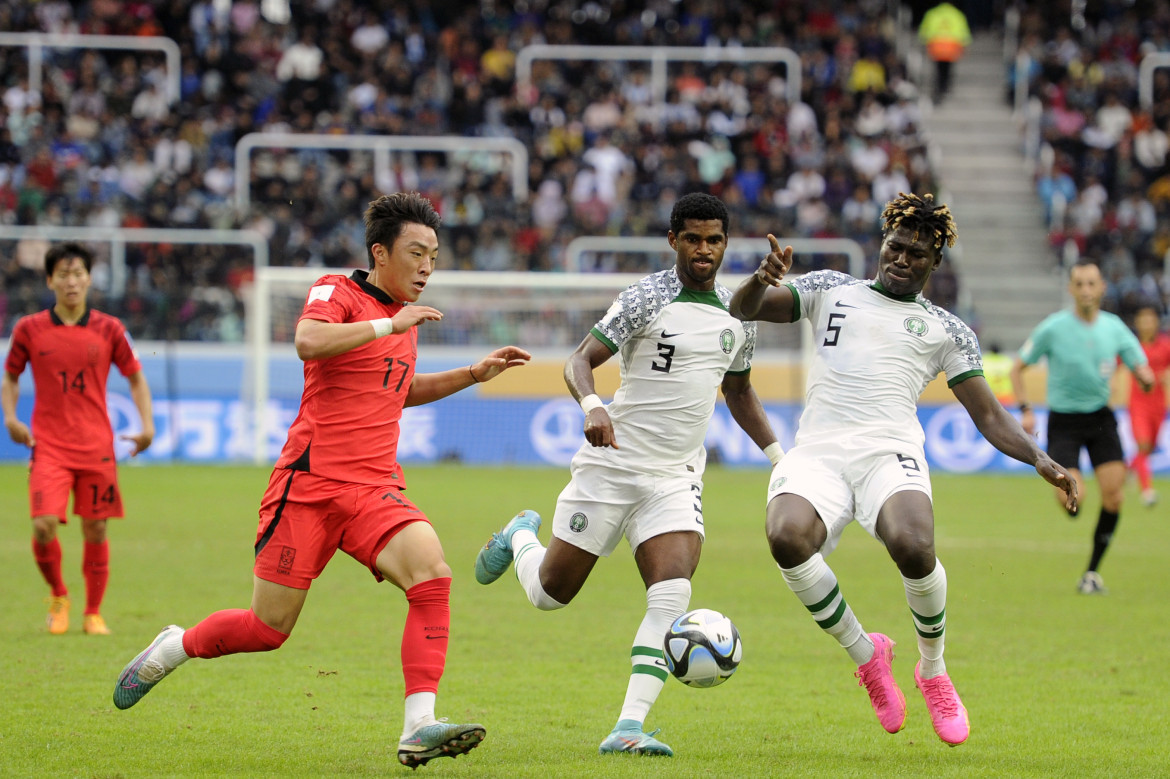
675 345
875 354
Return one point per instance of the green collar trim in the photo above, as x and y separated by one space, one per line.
707 297
876 286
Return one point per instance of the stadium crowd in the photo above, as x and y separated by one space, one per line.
103 144
1104 170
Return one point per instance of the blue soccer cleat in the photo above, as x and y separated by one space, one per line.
496 555
627 736
441 739
143 672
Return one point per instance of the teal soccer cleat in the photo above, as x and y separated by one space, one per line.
628 737
441 739
143 672
496 555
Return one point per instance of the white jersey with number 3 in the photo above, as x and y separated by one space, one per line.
875 354
675 345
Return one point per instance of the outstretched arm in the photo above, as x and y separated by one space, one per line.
761 296
747 411
316 339
1005 434
579 377
429 387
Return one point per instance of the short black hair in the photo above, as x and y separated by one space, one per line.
386 216
919 213
698 205
67 251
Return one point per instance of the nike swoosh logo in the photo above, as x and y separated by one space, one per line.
430 637
43 352
839 304
668 335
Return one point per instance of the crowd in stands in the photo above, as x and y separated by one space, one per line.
1103 173
103 143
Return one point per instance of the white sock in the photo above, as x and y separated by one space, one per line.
170 651
927 598
815 584
527 555
420 710
665 602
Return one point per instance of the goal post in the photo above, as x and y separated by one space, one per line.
546 313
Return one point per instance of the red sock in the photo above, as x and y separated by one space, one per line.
424 638
1141 466
48 557
229 632
95 567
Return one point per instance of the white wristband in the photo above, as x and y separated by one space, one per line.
590 402
383 326
774 452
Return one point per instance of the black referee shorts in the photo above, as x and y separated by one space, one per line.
1095 431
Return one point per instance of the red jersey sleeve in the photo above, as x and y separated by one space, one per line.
122 351
18 351
329 300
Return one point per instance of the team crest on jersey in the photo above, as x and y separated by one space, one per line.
727 341
93 353
578 522
915 325
778 483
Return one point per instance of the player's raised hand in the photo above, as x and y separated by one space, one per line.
413 315
776 264
141 441
19 433
499 361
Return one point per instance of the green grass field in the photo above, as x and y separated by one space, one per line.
1056 684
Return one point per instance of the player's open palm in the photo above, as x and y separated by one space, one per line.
19 433
410 316
499 361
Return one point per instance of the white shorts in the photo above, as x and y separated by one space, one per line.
850 479
599 505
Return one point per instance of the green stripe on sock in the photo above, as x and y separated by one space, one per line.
517 553
936 619
834 618
650 670
646 651
824 603
924 634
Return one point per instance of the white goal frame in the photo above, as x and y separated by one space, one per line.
259 316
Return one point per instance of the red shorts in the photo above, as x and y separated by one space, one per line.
1146 424
95 490
305 518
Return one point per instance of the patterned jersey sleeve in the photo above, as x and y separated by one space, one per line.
808 288
634 308
963 359
328 300
18 349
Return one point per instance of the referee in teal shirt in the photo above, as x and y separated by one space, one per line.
1082 346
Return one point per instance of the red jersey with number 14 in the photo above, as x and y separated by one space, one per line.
70 367
1154 401
348 424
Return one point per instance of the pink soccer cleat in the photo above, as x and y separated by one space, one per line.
877 677
947 713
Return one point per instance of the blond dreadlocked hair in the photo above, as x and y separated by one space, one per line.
921 212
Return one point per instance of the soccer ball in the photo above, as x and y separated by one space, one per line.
702 648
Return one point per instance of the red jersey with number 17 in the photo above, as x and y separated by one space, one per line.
348 424
70 367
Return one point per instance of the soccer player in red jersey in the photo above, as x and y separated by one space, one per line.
338 485
71 349
1148 409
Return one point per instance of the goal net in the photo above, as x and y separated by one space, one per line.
546 313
